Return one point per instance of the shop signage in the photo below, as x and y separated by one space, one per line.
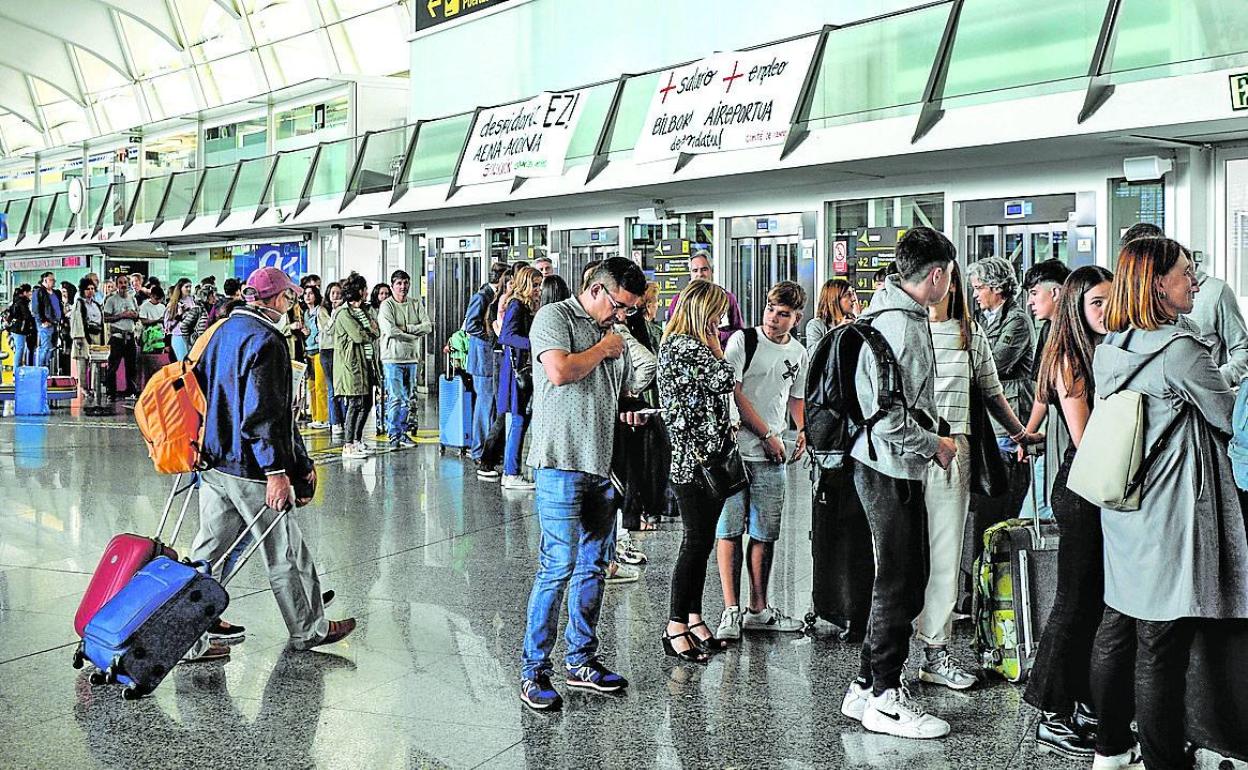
526 139
291 258
43 263
728 101
432 13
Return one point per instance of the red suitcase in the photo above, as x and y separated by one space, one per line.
127 554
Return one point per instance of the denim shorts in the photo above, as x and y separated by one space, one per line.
763 499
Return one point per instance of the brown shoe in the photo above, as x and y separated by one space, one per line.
212 653
338 630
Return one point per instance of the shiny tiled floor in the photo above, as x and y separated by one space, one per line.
437 566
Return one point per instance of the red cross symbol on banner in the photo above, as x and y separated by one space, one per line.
669 87
730 78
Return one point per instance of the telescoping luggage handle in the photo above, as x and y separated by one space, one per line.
238 566
186 502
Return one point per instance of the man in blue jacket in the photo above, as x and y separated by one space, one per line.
256 459
481 362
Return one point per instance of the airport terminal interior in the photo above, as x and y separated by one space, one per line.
231 153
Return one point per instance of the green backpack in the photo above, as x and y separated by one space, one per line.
153 339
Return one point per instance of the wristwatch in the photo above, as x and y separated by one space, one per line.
769 435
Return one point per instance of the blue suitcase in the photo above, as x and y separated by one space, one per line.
141 633
30 390
454 414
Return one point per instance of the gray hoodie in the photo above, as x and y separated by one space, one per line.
1185 552
904 448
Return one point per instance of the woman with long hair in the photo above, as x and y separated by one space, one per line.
554 289
355 375
318 394
326 315
179 302
695 382
381 292
1180 560
963 361
515 392
1060 684
838 304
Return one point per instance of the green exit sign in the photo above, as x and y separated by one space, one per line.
1239 91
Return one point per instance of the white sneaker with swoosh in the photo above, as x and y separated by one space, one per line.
894 712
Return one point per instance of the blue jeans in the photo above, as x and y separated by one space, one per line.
47 338
577 517
517 426
335 408
757 508
180 348
400 393
1039 490
18 343
482 412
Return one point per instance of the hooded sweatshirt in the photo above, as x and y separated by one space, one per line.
905 439
1184 553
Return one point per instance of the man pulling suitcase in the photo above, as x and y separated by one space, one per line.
257 462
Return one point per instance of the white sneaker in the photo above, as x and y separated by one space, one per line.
335 431
626 551
894 712
356 451
517 482
318 425
854 705
729 624
945 670
1130 760
622 573
770 619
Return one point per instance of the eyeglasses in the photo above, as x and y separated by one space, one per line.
618 307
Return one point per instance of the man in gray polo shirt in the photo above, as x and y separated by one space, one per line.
120 311
584 366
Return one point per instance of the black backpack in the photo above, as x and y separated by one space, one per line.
834 417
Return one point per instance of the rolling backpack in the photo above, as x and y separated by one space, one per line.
170 412
1237 448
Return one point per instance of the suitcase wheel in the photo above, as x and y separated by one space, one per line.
79 658
810 619
98 678
132 693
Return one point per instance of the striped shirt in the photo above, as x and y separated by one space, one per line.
953 373
361 315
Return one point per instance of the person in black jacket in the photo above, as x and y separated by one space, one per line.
49 313
21 327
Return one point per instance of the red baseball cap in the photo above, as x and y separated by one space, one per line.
267 282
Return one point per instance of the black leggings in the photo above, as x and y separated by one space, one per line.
357 409
700 513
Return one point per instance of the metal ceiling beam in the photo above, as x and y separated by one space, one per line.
55 70
934 92
1099 87
150 13
82 32
16 99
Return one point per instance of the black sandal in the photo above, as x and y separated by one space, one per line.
711 643
695 653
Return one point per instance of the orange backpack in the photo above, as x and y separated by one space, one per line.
170 412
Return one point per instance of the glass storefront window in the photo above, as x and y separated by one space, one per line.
643 237
310 118
1237 222
861 234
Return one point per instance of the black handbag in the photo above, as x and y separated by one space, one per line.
722 472
988 474
523 374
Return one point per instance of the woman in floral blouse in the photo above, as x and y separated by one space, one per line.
694 382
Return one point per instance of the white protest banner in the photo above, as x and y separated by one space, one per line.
526 139
728 101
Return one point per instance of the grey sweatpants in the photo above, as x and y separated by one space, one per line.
224 501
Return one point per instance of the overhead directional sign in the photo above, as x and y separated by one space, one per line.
432 13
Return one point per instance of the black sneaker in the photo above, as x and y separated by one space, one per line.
595 676
226 632
539 694
487 473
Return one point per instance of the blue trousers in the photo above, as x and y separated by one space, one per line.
47 339
577 517
482 412
400 395
517 426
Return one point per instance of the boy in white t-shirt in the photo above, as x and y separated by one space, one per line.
770 367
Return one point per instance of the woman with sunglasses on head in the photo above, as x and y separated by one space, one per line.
695 382
1182 558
